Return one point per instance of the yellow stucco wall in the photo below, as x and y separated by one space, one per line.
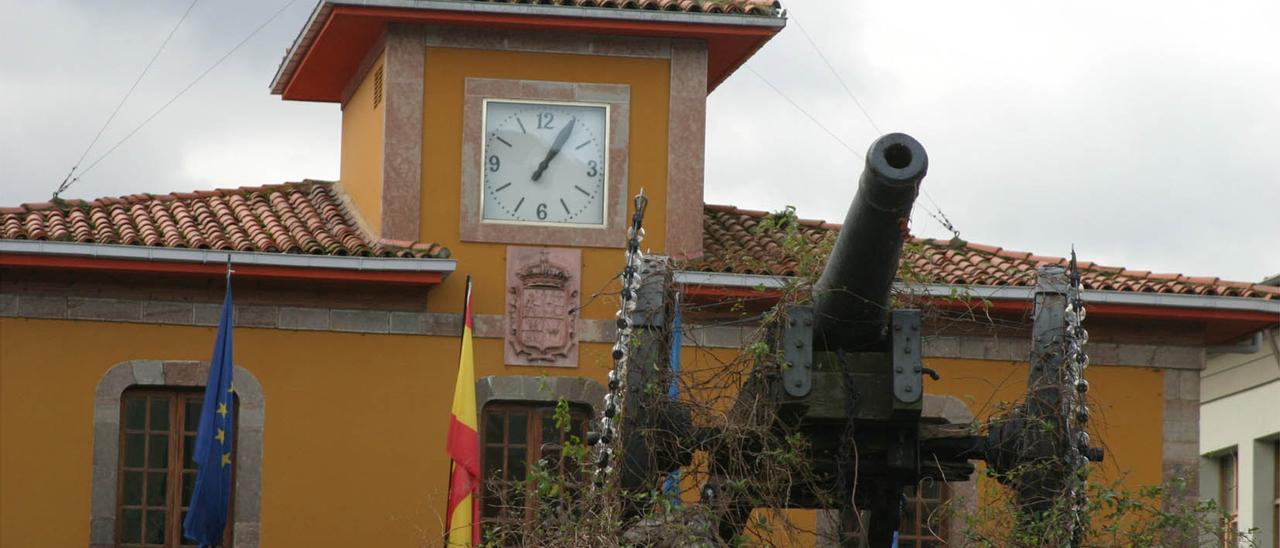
353 451
363 132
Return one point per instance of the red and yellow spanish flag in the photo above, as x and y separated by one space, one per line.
462 518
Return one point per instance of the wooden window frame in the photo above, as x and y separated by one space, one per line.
175 471
535 413
1230 519
919 531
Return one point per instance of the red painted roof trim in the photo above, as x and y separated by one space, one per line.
241 270
349 31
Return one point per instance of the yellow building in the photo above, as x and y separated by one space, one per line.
348 294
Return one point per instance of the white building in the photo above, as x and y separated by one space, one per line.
1240 433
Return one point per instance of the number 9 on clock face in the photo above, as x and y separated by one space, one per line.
545 162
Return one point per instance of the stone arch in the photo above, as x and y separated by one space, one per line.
106 442
579 390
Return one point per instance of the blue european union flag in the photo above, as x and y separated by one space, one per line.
207 515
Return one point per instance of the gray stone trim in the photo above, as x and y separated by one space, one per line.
106 442
1180 440
1014 349
1018 349
549 389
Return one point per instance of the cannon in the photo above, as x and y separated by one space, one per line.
850 382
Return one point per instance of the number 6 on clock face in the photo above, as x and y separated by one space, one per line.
545 162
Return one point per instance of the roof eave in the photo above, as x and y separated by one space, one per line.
320 17
1016 293
250 264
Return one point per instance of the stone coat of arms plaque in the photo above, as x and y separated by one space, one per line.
543 287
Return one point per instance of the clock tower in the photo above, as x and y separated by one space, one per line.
515 133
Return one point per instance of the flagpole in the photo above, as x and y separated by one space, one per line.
466 302
463 444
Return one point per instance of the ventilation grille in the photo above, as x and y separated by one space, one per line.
377 87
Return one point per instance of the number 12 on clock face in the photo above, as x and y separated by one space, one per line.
545 162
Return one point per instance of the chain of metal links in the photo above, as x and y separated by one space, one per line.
1076 407
614 397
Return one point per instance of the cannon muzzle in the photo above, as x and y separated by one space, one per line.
851 299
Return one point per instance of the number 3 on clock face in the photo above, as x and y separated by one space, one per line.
545 162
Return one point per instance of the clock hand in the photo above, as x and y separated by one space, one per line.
555 148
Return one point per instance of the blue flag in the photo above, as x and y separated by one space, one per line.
671 486
207 515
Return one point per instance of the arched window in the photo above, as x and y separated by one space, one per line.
129 457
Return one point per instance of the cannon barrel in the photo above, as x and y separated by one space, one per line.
851 299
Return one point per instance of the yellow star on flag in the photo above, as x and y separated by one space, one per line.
221 437
226 459
222 409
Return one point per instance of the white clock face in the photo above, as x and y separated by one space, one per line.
545 162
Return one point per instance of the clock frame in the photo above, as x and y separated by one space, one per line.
511 163
616 100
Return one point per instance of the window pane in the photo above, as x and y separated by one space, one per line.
157 483
493 428
188 487
191 419
550 434
516 459
492 462
159 413
155 526
135 414
518 424
134 450
930 489
131 491
158 452
189 452
906 544
131 526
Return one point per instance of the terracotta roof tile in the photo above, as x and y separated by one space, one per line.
308 218
732 244
303 218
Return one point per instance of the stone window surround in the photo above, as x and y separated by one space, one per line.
529 388
616 96
106 442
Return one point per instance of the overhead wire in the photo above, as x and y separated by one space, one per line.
936 212
67 181
184 90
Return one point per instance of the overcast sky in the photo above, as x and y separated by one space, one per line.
1146 133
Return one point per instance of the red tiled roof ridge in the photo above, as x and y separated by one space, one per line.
75 203
306 217
976 267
